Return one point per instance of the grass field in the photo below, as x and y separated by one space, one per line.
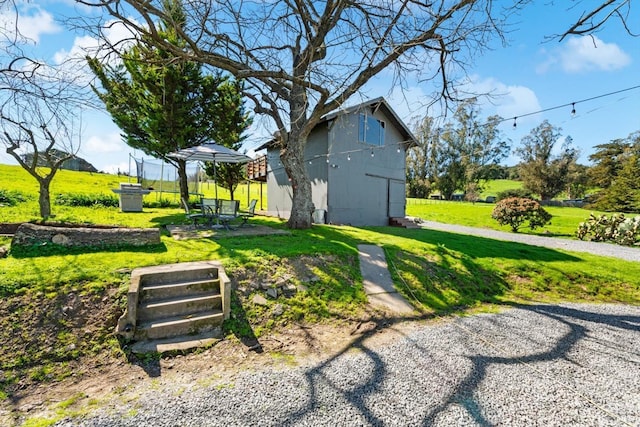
492 188
564 223
69 182
439 272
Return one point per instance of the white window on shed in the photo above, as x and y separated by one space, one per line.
370 130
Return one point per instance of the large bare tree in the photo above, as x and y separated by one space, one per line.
301 59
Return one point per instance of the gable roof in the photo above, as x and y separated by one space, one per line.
374 104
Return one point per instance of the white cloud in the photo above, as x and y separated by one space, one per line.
583 54
73 60
409 104
115 33
109 143
81 46
506 100
116 168
32 22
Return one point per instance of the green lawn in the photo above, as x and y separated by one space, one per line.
563 224
15 178
439 272
492 188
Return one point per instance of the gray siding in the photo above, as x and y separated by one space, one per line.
351 185
360 189
280 192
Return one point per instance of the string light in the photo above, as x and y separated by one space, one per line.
515 125
573 111
572 104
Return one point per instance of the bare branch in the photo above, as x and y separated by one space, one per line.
592 20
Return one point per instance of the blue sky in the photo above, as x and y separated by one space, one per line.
532 73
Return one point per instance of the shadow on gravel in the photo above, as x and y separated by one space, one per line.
363 395
357 396
464 392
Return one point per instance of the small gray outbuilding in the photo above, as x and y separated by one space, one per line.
355 159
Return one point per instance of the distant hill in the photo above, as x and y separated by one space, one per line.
14 177
75 163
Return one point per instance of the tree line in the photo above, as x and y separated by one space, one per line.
462 155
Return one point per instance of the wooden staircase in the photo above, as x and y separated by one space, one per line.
175 306
403 222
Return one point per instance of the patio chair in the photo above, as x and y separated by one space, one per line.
248 213
208 211
227 212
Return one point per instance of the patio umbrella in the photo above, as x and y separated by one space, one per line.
210 152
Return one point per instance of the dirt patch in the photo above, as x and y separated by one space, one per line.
62 347
108 380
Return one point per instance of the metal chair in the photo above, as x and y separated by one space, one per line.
248 213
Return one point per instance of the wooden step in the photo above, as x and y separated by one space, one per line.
172 273
403 222
180 325
179 288
180 343
178 306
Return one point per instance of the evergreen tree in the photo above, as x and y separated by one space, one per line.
163 103
229 175
467 151
421 159
541 172
607 162
623 192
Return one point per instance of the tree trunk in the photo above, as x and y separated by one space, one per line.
184 186
44 199
302 207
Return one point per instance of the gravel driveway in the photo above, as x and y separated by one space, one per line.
596 248
538 365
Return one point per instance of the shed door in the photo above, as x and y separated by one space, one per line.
397 198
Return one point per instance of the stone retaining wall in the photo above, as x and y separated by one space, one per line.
32 234
9 228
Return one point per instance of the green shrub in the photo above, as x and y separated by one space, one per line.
87 200
615 228
515 211
162 203
11 197
514 192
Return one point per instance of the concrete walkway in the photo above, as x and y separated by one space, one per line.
377 280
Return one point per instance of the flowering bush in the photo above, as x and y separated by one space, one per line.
615 228
515 211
